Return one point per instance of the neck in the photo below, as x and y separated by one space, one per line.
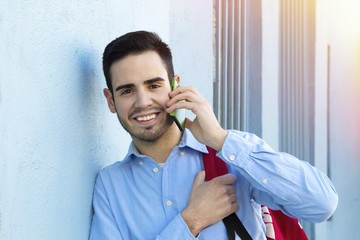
160 149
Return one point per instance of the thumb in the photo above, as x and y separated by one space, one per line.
200 178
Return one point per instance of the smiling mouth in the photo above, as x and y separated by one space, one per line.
146 118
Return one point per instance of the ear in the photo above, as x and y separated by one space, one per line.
110 100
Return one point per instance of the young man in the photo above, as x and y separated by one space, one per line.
158 190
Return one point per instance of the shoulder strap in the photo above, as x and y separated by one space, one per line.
214 167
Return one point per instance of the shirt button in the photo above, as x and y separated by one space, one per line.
182 153
169 202
155 169
141 162
265 181
232 157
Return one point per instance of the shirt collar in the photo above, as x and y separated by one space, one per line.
187 140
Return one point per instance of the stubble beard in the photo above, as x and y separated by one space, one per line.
151 134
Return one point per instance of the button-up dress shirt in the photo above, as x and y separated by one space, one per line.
136 198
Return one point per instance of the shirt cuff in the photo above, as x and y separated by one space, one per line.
177 230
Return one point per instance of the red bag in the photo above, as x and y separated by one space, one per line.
278 225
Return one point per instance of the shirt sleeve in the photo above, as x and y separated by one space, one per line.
279 180
103 224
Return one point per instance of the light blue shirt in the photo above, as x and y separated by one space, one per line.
136 198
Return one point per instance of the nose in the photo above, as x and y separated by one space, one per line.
143 99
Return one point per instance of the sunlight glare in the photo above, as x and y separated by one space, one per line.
346 18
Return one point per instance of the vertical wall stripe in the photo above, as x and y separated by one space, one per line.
228 89
297 73
237 83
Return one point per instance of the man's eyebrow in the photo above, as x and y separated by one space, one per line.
130 85
155 79
124 86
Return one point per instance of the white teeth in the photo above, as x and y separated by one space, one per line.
146 118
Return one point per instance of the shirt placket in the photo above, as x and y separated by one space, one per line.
168 196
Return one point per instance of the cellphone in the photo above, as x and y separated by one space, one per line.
179 114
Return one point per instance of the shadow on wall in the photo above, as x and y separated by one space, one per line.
85 149
100 130
91 114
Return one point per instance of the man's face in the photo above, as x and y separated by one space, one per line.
141 88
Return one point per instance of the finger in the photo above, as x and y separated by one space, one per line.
227 179
231 208
187 96
235 207
232 198
199 179
182 104
181 89
230 189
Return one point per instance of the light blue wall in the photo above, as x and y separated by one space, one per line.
56 132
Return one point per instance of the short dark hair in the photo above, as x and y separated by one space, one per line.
135 43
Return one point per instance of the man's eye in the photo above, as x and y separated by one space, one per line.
154 86
125 91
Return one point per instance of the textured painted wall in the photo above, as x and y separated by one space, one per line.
191 35
55 129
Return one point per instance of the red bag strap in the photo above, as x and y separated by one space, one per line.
213 167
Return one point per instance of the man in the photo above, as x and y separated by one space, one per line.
158 190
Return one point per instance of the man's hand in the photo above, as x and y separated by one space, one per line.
209 202
205 127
